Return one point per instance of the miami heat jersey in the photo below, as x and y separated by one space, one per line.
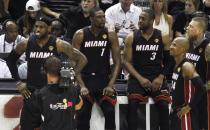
97 51
35 56
148 54
197 57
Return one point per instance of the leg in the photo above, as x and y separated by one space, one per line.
84 116
163 111
132 114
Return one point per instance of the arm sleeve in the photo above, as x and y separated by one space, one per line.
11 62
168 63
200 90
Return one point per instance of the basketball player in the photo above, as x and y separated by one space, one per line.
38 47
187 88
96 43
198 54
145 50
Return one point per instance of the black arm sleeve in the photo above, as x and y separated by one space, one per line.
11 63
168 63
200 90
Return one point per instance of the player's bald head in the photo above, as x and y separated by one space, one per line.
10 25
182 42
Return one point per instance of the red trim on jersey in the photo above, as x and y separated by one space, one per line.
163 97
186 122
136 96
186 91
109 99
208 108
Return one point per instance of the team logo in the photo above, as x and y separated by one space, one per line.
156 40
104 36
50 48
178 69
200 50
62 106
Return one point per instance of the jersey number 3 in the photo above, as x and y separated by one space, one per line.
153 56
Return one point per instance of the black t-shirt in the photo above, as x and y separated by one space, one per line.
75 20
97 51
148 54
35 56
181 22
57 105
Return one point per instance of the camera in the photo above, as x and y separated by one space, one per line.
67 75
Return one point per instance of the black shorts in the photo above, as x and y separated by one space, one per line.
137 92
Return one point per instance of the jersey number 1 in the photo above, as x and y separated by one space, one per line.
102 52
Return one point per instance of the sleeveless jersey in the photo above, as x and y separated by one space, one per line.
148 54
36 55
97 51
197 57
182 90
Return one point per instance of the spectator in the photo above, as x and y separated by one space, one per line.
53 8
27 21
123 17
182 20
163 21
4 70
77 17
16 9
10 39
58 28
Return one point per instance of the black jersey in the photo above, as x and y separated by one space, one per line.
197 57
35 56
97 51
182 90
148 54
57 105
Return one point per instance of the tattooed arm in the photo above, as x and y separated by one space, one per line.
73 54
207 55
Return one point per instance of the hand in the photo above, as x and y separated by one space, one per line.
22 88
84 91
184 110
157 83
117 27
132 26
146 84
108 91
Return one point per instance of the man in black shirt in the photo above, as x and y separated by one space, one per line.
55 102
38 47
77 17
145 51
96 43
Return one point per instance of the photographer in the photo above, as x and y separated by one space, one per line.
58 100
